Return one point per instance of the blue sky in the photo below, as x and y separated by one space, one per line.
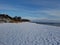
31 9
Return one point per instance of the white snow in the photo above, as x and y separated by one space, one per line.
29 34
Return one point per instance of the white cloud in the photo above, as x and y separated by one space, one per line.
52 12
49 12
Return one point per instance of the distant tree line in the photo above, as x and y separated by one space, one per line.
8 18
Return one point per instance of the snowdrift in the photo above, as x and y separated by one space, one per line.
29 34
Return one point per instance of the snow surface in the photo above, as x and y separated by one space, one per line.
29 34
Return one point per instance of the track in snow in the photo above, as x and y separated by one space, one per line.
29 34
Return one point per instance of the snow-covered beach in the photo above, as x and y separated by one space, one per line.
29 34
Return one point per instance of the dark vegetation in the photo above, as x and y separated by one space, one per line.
24 20
48 23
7 18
